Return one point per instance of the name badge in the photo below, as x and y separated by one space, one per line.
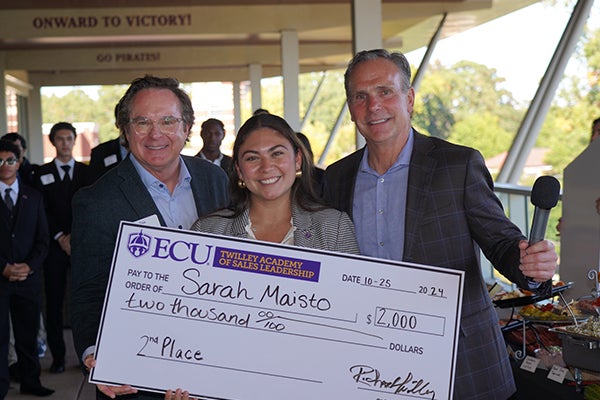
47 179
110 160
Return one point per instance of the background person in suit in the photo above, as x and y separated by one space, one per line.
26 176
104 157
212 132
26 169
420 199
58 180
154 118
595 134
317 173
23 246
595 129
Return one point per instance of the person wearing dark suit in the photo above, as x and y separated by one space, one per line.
26 176
23 246
212 132
104 157
317 172
435 204
154 117
58 180
26 169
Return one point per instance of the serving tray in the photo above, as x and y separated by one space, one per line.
525 300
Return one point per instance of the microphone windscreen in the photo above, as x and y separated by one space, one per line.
545 192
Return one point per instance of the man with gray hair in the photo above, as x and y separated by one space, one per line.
420 199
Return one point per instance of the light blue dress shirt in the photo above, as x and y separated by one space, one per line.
178 209
379 206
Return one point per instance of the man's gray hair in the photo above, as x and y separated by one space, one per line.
367 55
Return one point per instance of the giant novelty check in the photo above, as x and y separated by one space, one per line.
228 318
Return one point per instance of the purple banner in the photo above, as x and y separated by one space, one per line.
268 264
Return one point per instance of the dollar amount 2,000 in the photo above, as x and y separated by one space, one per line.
396 319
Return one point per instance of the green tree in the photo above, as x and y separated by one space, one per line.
449 95
567 127
77 106
433 112
592 56
482 131
108 97
73 107
328 105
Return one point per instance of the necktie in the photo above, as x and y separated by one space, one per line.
66 177
8 200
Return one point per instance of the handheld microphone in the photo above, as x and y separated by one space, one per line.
544 196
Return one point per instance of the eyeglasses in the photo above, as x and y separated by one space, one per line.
166 125
8 161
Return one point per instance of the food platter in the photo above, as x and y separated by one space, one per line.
552 313
564 330
552 321
530 299
580 350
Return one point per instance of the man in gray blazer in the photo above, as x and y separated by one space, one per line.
421 199
154 118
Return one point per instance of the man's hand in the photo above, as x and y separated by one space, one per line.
538 261
16 272
64 242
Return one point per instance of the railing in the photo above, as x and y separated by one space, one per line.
518 207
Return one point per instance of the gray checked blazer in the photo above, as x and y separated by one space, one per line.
451 211
326 229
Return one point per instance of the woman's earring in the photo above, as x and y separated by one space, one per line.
241 184
298 173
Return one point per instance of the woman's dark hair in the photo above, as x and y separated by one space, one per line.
123 107
302 189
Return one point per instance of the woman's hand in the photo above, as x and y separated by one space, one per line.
114 391
110 391
178 395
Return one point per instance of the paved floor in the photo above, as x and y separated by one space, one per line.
68 385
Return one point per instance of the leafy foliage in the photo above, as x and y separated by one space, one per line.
78 106
483 132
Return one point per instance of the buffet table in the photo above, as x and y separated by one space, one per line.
537 386
539 330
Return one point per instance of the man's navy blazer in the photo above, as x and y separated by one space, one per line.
56 198
103 158
452 211
24 238
120 195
